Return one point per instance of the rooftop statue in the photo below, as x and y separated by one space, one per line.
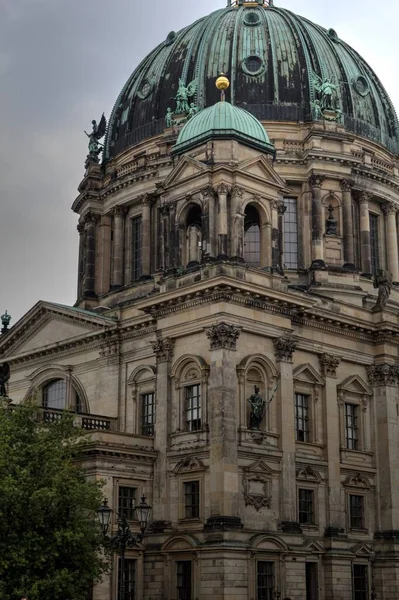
383 281
183 94
257 409
4 377
327 98
95 136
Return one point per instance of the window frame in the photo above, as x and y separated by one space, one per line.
259 593
188 478
136 248
128 561
186 410
179 596
312 491
147 425
355 428
287 203
194 494
361 493
306 419
75 401
366 591
375 249
122 485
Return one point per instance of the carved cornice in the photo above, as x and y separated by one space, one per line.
329 364
347 184
284 348
223 189
163 349
389 208
316 180
223 336
383 374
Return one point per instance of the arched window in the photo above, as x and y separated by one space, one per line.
194 236
252 237
55 397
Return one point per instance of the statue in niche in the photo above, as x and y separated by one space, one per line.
95 148
258 406
182 97
383 282
331 223
4 377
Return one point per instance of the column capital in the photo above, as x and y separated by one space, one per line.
284 348
237 191
329 364
365 197
383 374
146 200
224 336
81 228
208 192
279 206
316 180
347 185
91 218
389 208
223 188
163 349
119 211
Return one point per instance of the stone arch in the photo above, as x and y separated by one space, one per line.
184 208
331 198
256 370
261 206
142 372
182 364
256 232
189 410
189 222
75 392
269 543
142 384
180 543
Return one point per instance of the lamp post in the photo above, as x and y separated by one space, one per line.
124 538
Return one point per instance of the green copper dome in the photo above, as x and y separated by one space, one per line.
223 121
275 60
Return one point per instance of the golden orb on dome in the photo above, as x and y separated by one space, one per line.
222 83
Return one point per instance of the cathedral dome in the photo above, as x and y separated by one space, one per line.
221 121
275 60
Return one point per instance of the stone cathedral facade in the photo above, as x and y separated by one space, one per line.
236 244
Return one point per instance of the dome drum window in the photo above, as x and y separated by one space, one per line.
361 86
253 66
146 89
251 18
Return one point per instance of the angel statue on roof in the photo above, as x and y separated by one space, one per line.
327 93
183 94
98 132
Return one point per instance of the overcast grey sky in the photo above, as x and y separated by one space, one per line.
63 63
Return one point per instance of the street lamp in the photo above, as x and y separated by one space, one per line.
124 538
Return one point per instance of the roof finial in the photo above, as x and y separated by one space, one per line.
222 83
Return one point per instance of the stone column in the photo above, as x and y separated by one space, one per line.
163 350
391 235
349 248
275 235
209 228
315 182
222 401
284 350
222 191
117 272
164 220
91 220
173 236
105 254
81 265
146 203
237 225
281 210
335 507
365 233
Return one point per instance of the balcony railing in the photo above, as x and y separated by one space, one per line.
83 421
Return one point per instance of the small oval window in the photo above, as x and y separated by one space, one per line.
253 65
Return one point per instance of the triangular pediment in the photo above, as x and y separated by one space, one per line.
47 325
259 466
187 169
307 374
355 385
262 169
362 550
314 547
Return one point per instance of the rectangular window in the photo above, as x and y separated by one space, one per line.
374 244
302 418
351 426
265 584
360 582
136 248
356 512
306 507
290 232
129 582
126 502
193 407
184 580
312 581
147 414
191 499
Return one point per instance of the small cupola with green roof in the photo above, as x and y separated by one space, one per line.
223 121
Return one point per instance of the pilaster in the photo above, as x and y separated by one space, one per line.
391 235
315 182
91 220
222 192
365 244
119 214
146 203
349 248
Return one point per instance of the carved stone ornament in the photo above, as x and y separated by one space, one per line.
389 208
223 189
91 218
208 192
237 191
146 200
81 228
315 180
347 185
365 197
383 374
120 211
163 349
110 348
284 348
224 336
256 491
329 364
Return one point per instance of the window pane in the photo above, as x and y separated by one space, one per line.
252 246
129 582
54 395
184 580
351 426
126 502
305 506
191 500
290 231
193 407
147 414
374 243
302 418
360 582
136 248
265 583
356 511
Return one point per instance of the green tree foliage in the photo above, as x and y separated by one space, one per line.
50 543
